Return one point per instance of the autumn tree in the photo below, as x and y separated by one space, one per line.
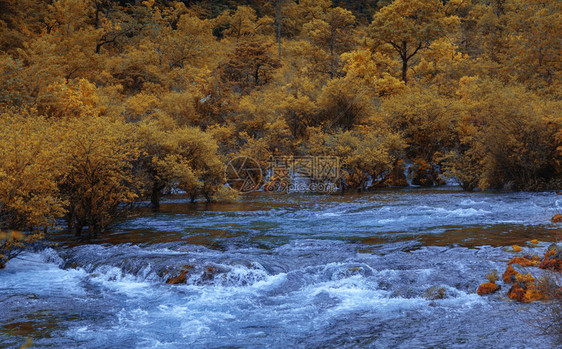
30 168
99 177
427 122
179 159
507 138
249 65
366 154
333 33
408 27
535 49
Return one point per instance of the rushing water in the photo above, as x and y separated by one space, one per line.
280 271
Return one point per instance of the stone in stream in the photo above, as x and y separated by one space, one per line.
182 277
435 292
487 287
525 289
517 248
552 259
557 218
526 261
509 275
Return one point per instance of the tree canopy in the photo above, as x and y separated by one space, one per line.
104 103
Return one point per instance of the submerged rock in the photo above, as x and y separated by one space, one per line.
182 277
209 274
517 248
487 287
435 292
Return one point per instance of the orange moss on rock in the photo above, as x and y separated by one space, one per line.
509 274
524 262
557 218
181 278
552 260
516 292
486 288
517 248
534 241
525 289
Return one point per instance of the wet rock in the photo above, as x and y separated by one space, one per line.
552 259
435 292
182 277
516 292
535 241
209 274
557 218
517 248
487 288
525 289
509 275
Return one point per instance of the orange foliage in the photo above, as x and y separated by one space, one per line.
524 262
103 105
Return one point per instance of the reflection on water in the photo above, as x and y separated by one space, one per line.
286 270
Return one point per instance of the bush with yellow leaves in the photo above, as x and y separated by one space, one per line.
507 138
180 159
99 181
30 167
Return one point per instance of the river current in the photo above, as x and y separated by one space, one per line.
287 271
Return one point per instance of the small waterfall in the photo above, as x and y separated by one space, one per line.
407 173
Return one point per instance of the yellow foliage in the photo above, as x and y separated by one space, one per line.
30 166
99 177
12 242
63 99
492 276
102 105
365 154
182 158
507 137
408 26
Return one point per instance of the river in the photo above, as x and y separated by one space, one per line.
287 270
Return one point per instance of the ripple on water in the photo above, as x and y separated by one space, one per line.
288 271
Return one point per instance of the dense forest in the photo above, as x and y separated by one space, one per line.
104 103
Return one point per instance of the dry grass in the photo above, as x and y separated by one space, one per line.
550 321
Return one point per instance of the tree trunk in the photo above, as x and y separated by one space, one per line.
156 195
278 20
332 65
405 70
